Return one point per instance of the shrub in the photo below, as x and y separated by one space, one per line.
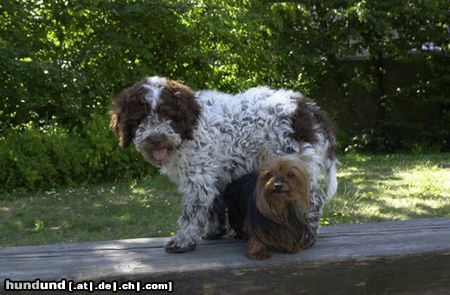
62 61
40 158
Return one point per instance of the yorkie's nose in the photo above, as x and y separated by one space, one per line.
278 186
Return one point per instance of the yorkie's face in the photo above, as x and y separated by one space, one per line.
282 181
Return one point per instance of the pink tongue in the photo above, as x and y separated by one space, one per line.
160 155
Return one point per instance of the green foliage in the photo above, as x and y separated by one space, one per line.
61 62
36 157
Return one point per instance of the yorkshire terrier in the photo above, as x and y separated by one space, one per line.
270 208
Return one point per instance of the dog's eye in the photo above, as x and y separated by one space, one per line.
269 174
290 174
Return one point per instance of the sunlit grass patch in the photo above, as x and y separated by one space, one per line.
393 187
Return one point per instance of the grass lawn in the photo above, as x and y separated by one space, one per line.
371 188
390 187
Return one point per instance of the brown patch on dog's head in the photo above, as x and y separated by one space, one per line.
129 109
282 182
169 99
179 105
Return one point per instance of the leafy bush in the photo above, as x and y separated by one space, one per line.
62 61
38 158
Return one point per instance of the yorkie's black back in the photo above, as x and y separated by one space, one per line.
237 196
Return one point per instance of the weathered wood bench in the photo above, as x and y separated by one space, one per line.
411 256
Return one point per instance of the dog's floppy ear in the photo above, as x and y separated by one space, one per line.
180 106
129 109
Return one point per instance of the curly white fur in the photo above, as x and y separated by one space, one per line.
232 133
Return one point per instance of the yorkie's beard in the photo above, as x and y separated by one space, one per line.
282 210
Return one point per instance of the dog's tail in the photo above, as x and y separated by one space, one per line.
331 178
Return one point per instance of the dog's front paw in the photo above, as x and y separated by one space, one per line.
257 250
176 245
262 254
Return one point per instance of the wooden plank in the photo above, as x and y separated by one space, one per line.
410 256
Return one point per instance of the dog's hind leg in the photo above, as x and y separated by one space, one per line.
317 197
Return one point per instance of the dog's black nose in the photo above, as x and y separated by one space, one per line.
278 187
156 139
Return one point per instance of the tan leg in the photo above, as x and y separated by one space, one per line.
257 250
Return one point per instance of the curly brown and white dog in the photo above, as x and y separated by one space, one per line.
204 140
270 208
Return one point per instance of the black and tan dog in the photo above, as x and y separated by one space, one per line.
270 208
